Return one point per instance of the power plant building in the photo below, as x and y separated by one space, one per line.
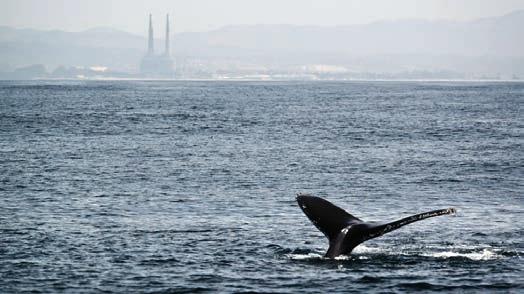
157 66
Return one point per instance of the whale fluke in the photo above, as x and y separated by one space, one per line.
345 231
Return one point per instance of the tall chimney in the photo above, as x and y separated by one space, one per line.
151 44
167 35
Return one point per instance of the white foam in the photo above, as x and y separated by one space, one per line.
363 249
316 256
486 254
308 256
342 257
362 252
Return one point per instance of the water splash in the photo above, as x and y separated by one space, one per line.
307 256
363 252
486 254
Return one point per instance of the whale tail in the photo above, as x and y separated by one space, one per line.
381 229
327 217
345 231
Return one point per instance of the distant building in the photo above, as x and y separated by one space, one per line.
157 66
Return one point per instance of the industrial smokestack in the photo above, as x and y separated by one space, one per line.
167 35
151 44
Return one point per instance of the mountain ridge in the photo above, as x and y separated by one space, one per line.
497 43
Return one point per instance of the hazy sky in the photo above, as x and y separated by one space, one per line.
202 15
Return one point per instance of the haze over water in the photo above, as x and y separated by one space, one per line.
189 186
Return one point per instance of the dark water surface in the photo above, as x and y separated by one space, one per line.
189 186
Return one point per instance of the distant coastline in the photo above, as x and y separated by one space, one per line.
272 80
483 49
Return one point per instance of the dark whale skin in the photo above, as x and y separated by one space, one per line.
345 231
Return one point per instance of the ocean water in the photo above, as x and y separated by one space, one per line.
177 186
